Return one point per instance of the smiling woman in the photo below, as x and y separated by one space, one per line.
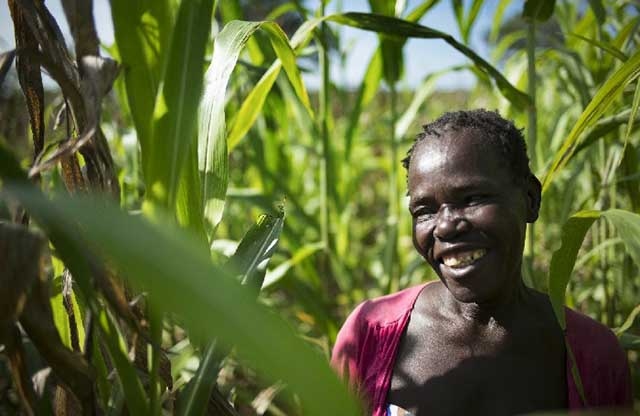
463 345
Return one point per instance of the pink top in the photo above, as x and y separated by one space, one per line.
367 344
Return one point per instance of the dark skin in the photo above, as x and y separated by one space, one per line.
478 341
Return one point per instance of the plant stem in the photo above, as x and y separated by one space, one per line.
324 132
532 130
392 219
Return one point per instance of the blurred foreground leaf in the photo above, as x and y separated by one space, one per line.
168 264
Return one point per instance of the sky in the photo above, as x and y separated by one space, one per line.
422 56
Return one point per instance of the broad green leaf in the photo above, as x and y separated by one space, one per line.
255 249
627 225
275 275
212 142
403 28
252 105
563 259
604 97
539 10
175 110
372 78
142 29
166 262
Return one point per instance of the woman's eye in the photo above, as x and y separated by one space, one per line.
424 214
475 199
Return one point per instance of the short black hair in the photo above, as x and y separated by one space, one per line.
500 134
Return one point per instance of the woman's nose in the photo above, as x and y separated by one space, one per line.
450 224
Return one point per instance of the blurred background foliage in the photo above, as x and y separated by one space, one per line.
200 156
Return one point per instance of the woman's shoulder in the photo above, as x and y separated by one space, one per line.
388 309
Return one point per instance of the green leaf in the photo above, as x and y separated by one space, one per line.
403 28
275 275
563 259
249 263
196 394
366 93
165 261
630 342
604 97
466 21
419 97
540 10
142 29
255 249
610 49
134 392
420 10
175 110
212 143
627 225
497 20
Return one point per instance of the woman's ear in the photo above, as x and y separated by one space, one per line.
534 197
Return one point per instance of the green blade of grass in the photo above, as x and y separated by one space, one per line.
251 256
135 396
212 142
563 259
175 110
398 27
497 20
627 225
604 97
610 49
142 29
275 275
255 249
168 264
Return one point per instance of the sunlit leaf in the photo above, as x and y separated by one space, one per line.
604 97
142 29
175 110
212 140
563 259
273 276
403 28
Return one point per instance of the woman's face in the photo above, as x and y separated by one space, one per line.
469 216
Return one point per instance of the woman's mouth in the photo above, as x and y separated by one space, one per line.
463 259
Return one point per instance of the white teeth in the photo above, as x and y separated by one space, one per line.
459 260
